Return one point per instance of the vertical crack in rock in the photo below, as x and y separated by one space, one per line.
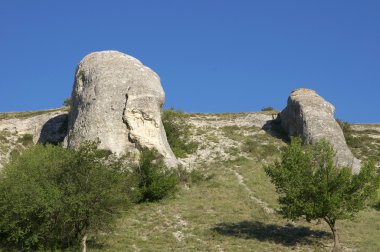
124 112
309 116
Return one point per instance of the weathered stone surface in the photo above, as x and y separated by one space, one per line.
308 115
118 100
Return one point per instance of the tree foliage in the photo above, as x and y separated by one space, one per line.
51 197
311 186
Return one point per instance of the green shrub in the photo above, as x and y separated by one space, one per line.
67 102
258 149
178 133
267 109
363 146
192 177
347 132
153 179
233 132
26 139
52 198
352 141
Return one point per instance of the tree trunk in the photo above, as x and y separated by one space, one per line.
337 246
84 240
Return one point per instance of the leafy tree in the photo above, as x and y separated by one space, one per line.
52 198
310 185
153 179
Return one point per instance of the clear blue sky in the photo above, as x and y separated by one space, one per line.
211 55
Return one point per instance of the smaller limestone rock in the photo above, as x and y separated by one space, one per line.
47 127
309 116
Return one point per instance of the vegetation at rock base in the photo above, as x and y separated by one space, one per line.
221 212
178 133
361 143
310 186
54 198
348 135
154 181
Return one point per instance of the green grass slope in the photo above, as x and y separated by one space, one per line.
232 208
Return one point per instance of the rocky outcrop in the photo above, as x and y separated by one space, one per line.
119 101
24 128
48 126
308 115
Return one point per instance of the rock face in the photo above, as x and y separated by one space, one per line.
42 126
118 100
48 127
308 115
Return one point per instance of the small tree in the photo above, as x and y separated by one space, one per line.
311 186
67 102
52 198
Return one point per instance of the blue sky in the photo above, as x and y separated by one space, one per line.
211 55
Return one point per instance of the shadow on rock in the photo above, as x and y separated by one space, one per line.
54 130
274 128
288 235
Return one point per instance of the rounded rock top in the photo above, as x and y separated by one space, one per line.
302 91
108 56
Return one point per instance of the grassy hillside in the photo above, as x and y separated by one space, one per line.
229 205
231 208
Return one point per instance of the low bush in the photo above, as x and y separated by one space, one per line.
67 102
350 139
153 180
191 177
258 149
362 145
178 133
267 109
26 139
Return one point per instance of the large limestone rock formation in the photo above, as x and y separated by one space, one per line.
118 100
308 115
